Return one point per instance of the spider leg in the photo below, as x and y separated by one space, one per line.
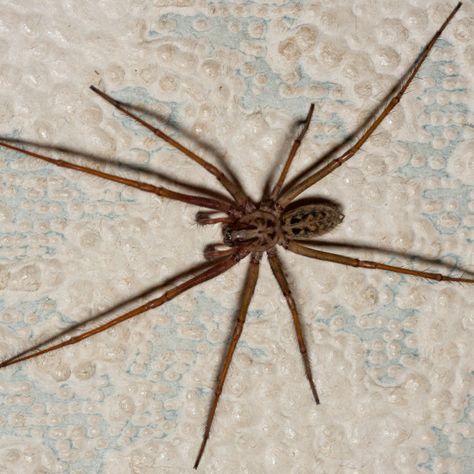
212 272
213 251
251 281
207 218
350 246
355 262
277 269
233 189
210 203
293 192
296 144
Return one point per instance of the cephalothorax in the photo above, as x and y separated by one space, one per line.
249 230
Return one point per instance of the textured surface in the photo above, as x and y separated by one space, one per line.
393 355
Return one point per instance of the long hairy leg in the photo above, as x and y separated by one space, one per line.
296 190
296 144
209 274
355 262
200 201
277 269
251 281
359 246
229 185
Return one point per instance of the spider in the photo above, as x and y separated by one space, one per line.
250 230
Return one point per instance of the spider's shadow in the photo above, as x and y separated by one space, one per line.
144 170
100 160
203 144
120 305
362 246
208 147
206 264
336 149
211 149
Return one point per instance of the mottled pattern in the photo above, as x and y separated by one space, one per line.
306 222
392 355
260 229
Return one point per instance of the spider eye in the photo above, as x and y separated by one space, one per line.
227 231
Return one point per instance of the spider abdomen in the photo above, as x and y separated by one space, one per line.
310 220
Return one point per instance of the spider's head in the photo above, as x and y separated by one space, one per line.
258 230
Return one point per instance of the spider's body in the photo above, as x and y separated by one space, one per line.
261 230
250 231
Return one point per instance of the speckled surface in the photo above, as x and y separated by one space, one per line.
392 355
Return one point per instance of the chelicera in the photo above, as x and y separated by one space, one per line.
249 230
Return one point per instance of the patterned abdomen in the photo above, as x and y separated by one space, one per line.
310 220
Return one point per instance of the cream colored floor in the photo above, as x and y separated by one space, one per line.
392 355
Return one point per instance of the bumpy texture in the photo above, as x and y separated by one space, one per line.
392 355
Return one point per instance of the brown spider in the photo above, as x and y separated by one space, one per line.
250 230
